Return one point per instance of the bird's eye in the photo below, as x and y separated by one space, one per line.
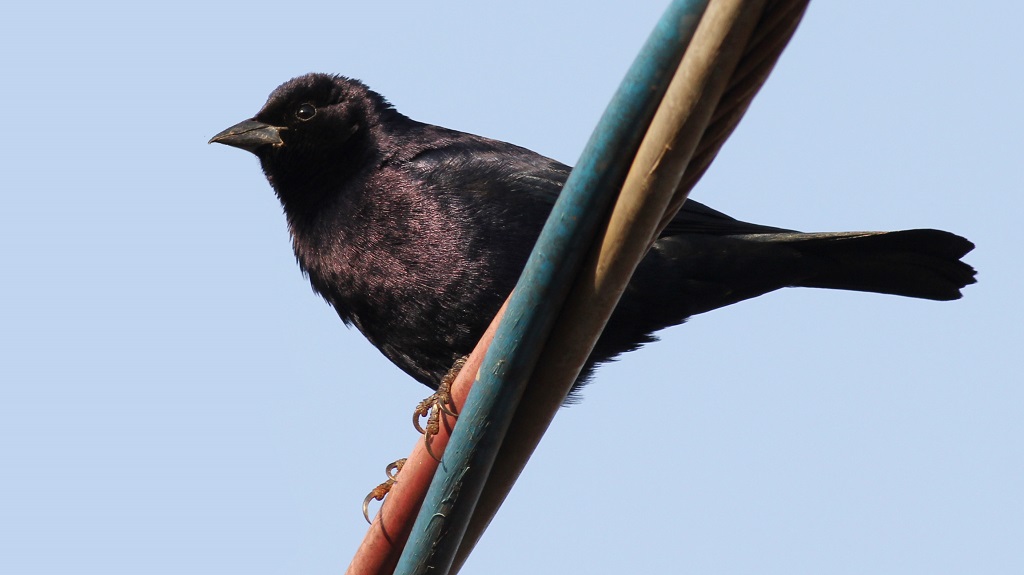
305 112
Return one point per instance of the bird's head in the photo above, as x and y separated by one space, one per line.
313 131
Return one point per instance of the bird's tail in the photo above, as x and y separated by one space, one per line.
691 273
914 263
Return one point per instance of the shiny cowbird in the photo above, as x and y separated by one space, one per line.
415 233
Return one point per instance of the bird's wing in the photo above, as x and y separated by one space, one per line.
470 163
696 218
473 164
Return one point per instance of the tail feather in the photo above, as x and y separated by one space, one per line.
914 263
691 273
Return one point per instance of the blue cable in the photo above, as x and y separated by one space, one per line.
570 230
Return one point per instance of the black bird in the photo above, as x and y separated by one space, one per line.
416 233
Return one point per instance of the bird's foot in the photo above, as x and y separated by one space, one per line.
383 489
432 407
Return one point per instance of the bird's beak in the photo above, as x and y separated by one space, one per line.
250 135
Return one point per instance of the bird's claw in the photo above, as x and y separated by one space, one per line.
432 407
383 489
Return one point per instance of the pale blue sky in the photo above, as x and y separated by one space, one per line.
173 398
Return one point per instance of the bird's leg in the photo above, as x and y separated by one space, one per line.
381 490
431 408
438 402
